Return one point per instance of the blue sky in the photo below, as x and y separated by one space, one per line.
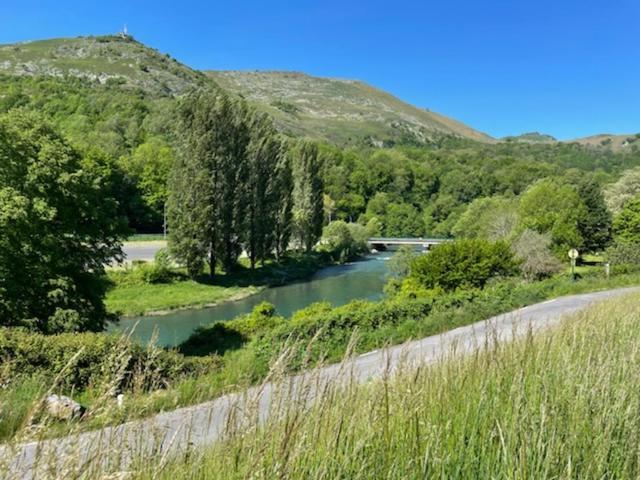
565 67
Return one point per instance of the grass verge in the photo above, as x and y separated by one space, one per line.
562 404
146 237
247 362
131 295
146 299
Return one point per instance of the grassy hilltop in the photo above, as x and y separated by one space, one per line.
345 112
116 59
340 111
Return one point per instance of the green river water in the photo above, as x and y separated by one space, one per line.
338 285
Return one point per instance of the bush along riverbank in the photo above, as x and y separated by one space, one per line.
233 355
158 287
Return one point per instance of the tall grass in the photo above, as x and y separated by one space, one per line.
212 377
559 404
564 403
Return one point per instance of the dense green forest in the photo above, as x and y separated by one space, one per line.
130 128
214 169
405 190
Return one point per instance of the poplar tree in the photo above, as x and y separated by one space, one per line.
262 196
207 202
308 211
283 201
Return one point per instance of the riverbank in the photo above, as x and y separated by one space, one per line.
152 399
335 284
132 295
246 348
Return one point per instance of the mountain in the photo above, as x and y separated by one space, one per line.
531 137
340 111
616 143
107 59
601 142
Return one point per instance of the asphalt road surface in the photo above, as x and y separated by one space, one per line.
179 430
142 250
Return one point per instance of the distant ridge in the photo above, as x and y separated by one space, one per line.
615 143
336 110
531 137
341 111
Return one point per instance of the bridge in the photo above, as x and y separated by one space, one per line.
381 243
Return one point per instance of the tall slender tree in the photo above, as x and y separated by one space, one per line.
308 211
208 200
262 200
283 201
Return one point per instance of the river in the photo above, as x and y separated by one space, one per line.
338 285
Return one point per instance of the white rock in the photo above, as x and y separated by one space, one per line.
64 408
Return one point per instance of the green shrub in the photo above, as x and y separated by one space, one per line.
623 254
463 264
333 327
286 107
160 270
400 263
533 249
343 241
25 354
233 334
141 272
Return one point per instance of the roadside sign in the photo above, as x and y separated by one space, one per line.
573 254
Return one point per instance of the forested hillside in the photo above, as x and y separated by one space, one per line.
115 98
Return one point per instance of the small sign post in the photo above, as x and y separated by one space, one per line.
573 255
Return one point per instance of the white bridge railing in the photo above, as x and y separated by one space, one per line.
425 242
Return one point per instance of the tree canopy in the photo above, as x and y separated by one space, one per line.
493 218
626 225
550 206
59 225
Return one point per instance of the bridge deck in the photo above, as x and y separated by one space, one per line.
406 241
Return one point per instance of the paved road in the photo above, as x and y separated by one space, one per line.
142 250
174 432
